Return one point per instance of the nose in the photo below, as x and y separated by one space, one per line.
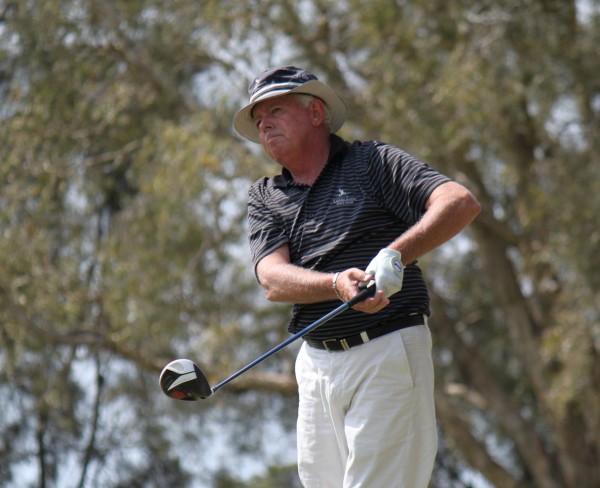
264 123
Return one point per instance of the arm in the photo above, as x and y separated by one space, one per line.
285 282
449 209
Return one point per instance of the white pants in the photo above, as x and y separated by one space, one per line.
366 416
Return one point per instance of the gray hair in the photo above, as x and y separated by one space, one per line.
304 99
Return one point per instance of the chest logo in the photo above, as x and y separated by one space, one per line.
343 198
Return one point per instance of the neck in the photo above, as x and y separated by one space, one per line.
306 166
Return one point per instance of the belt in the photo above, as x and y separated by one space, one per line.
346 343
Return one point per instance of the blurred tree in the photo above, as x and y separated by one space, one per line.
122 202
121 211
275 477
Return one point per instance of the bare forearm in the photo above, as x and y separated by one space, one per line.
451 209
289 283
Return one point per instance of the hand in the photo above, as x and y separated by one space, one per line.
350 282
388 271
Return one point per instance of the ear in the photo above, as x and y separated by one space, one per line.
317 111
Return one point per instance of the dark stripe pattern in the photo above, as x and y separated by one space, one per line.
368 194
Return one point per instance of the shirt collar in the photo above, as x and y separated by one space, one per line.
337 150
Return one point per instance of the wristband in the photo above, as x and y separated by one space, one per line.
335 277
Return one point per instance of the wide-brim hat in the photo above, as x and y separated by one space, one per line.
276 82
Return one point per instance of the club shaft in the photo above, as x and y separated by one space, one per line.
370 290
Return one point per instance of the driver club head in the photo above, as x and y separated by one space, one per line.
182 379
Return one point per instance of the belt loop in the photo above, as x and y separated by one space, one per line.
364 336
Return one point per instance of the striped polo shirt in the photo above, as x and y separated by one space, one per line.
367 195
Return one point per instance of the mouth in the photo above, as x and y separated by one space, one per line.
271 137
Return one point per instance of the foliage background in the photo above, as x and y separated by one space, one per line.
122 238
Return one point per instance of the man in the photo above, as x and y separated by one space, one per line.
339 215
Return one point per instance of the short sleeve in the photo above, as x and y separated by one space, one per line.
266 232
401 183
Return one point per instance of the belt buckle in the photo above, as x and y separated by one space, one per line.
342 342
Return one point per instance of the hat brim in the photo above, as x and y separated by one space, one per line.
246 127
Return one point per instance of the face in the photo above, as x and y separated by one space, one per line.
283 126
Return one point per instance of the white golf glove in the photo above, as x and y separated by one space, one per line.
388 271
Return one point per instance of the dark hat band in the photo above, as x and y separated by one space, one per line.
273 87
280 76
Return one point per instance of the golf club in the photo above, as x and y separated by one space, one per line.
182 379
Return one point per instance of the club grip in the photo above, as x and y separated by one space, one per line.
367 292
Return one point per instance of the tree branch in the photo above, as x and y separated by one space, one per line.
500 403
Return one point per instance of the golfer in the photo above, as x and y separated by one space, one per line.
338 215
